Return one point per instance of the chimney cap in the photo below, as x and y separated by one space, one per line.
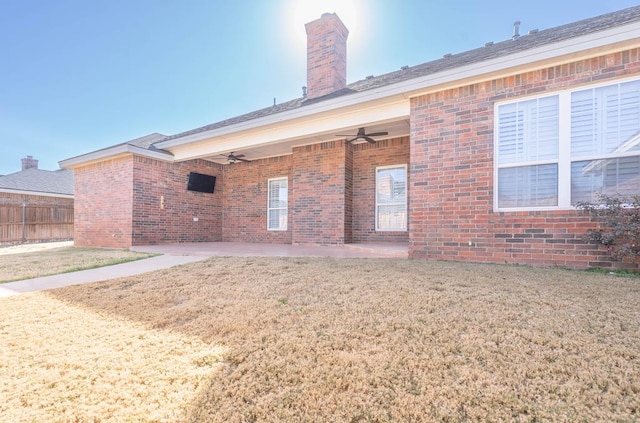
29 163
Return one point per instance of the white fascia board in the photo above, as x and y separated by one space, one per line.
614 39
296 129
603 42
335 107
112 152
38 193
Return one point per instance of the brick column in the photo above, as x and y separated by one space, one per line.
320 209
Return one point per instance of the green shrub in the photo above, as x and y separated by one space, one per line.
620 230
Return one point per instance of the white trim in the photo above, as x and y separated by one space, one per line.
38 193
318 128
406 199
597 43
564 150
112 152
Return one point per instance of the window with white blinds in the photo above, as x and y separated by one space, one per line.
277 204
528 133
554 151
391 198
605 141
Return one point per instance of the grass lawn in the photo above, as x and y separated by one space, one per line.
27 265
319 339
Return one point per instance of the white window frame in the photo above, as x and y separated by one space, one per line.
564 148
405 203
270 209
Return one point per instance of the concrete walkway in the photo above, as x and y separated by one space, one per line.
177 254
95 275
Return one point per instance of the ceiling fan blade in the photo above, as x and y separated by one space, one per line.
242 160
377 134
237 156
369 140
353 139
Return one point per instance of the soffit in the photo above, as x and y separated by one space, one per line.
278 138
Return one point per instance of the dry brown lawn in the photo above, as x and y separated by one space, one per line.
316 340
33 264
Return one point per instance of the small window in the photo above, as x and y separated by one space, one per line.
391 198
277 204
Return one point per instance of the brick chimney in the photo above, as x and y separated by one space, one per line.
326 55
29 163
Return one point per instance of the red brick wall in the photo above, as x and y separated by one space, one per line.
317 207
452 175
163 208
245 200
104 204
366 158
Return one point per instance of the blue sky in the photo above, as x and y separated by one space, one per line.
80 75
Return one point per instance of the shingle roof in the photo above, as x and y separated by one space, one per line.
38 180
147 141
489 51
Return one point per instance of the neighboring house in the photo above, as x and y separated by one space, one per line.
478 156
36 204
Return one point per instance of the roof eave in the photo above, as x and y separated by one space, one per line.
38 193
620 38
113 152
614 40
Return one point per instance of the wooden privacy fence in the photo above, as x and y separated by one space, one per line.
35 223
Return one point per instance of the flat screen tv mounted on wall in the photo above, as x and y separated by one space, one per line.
201 183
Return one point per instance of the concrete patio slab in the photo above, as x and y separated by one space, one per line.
243 249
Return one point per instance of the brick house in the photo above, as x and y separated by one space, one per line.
35 186
477 156
41 199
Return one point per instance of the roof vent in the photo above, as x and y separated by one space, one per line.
370 77
405 67
490 43
447 55
516 30
304 91
533 31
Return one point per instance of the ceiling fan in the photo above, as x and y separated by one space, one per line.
232 158
362 135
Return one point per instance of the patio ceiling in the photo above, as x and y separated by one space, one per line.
277 134
396 129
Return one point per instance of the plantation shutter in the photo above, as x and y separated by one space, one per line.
391 198
277 204
528 133
605 129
